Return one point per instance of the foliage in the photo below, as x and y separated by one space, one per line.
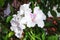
32 33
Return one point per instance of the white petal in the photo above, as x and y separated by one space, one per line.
14 15
25 7
14 28
40 23
30 24
20 12
13 23
22 26
29 21
19 34
36 10
39 13
43 16
23 20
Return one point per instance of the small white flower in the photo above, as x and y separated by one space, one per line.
49 14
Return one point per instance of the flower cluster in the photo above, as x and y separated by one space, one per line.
26 17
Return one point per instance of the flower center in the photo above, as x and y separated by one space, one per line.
33 16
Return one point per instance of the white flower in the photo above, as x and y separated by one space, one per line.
36 18
24 9
17 23
17 26
26 17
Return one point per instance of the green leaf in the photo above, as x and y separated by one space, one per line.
52 37
48 24
58 9
42 1
9 35
32 6
1 3
26 36
12 10
32 0
43 36
32 37
38 36
8 19
53 13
